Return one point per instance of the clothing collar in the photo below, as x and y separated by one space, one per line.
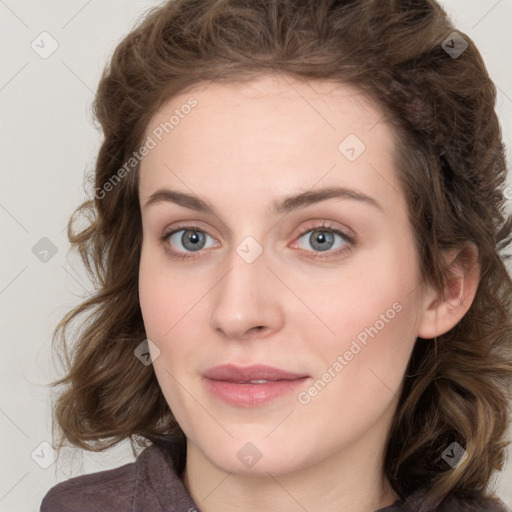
158 487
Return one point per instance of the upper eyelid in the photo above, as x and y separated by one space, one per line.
301 232
348 238
351 242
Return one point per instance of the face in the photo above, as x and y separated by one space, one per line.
281 328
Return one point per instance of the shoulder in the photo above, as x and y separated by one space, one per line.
459 501
110 490
479 503
141 485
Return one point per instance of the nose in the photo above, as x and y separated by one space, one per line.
246 301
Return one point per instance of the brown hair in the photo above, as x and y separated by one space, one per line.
451 163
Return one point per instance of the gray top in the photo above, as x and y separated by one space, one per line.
152 484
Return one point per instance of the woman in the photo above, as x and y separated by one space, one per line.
296 233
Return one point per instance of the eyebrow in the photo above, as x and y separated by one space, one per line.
283 206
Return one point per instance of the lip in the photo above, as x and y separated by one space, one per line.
231 384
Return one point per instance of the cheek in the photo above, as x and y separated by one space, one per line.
361 369
164 305
368 298
369 318
172 304
165 297
364 363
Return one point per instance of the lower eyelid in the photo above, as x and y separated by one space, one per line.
349 241
167 238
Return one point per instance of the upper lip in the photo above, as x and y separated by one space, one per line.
234 373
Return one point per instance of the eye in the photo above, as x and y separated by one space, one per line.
324 239
191 238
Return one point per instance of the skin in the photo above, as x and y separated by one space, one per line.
241 148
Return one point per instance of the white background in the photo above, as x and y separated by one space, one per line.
47 143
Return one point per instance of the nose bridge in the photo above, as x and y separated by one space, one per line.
245 298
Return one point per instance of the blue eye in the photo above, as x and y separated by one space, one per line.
191 238
322 239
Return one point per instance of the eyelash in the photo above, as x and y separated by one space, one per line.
351 241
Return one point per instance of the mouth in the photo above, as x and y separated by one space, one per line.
251 386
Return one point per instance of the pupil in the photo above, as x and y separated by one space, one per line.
192 240
321 240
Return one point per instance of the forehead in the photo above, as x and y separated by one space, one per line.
322 106
271 133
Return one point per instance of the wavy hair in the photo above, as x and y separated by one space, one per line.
450 160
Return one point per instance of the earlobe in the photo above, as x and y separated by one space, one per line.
442 311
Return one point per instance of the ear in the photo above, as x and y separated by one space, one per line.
442 311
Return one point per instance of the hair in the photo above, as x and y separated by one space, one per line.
450 161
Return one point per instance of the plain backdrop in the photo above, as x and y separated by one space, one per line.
47 142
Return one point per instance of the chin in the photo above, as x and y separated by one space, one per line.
257 456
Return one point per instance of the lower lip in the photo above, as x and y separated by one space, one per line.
252 395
